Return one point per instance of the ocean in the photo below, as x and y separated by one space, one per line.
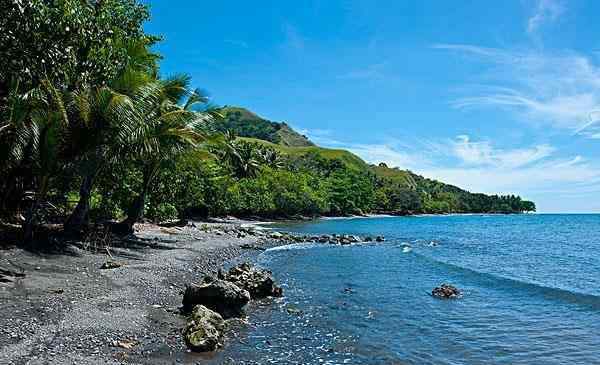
531 287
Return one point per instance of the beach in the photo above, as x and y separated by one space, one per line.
67 310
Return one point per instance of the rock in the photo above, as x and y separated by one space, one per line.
247 246
446 291
354 239
325 238
379 239
224 297
259 283
276 235
345 241
204 330
110 265
368 239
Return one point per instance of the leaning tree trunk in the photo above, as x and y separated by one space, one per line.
136 211
79 218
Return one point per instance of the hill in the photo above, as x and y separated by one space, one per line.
244 123
385 190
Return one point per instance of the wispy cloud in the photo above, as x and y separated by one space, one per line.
480 166
545 11
483 153
561 88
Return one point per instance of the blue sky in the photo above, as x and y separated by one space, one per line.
493 96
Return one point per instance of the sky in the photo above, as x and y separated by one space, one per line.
492 96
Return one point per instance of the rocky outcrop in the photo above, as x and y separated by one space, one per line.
223 297
258 282
204 330
446 291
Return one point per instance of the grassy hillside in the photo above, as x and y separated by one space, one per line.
244 123
348 158
383 189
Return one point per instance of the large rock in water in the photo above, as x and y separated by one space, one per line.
446 291
225 298
204 330
259 283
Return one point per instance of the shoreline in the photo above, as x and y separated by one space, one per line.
67 310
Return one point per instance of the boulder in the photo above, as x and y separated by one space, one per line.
379 239
446 291
258 282
204 330
221 296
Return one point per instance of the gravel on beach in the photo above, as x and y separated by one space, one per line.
69 310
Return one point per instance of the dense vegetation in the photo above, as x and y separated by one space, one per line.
91 132
244 123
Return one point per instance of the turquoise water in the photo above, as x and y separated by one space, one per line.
531 293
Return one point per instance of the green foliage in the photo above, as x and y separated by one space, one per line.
69 42
163 212
247 124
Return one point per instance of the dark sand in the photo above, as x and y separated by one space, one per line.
66 310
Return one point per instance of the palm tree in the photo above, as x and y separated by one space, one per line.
171 125
270 157
106 122
240 156
33 137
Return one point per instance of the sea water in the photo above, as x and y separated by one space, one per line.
531 287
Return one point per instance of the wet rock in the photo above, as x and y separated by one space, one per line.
204 330
446 291
345 241
368 239
224 297
258 282
248 246
276 235
325 238
379 239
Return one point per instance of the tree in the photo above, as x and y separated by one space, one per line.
33 135
71 43
171 125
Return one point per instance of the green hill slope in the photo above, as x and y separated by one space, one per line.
244 123
395 191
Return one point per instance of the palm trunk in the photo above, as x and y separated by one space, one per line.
80 215
31 214
136 212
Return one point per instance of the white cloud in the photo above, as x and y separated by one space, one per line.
483 153
545 11
561 89
480 166
392 156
